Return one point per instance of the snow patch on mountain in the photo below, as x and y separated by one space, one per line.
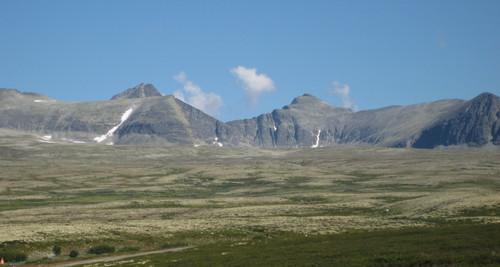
317 140
216 142
125 116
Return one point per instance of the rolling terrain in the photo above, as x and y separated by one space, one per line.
144 198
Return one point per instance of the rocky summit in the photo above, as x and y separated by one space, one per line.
140 91
142 116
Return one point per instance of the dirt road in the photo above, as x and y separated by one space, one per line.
116 258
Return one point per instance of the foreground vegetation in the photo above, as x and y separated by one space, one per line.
78 197
450 245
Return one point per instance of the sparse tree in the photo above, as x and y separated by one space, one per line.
73 254
56 250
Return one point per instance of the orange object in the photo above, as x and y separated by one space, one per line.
1 261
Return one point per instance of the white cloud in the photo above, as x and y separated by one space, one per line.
208 102
181 77
344 91
254 84
179 95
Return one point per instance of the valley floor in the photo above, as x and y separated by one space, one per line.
146 198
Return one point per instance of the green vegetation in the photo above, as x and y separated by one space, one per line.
73 254
446 245
78 197
486 210
56 250
13 256
128 249
101 249
174 245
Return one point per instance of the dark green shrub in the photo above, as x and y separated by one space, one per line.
128 249
73 254
56 250
9 256
258 237
101 249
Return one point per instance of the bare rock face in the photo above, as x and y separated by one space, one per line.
296 125
168 121
160 120
310 122
142 90
476 123
141 116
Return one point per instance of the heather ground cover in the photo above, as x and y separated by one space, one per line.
79 196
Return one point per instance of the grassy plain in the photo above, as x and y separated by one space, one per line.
77 196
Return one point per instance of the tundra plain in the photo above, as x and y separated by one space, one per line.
77 196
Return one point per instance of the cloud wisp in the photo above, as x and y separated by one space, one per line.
344 91
254 84
441 38
210 103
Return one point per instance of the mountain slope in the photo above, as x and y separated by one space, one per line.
395 126
296 125
151 120
138 116
167 121
475 123
308 121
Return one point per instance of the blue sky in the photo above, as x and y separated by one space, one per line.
238 59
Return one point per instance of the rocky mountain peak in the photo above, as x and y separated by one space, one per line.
306 122
485 97
142 90
306 100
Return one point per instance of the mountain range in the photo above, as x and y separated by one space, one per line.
143 116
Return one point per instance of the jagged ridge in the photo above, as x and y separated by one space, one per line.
306 122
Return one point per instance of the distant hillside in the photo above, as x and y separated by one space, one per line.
142 116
